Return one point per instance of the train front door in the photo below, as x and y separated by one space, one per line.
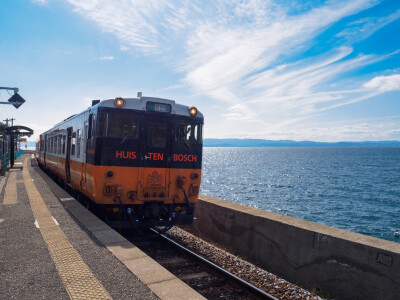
68 155
155 159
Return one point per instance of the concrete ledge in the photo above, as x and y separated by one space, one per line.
126 251
345 264
172 290
148 270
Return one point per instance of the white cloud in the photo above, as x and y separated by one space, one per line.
41 2
384 83
365 27
141 24
233 52
107 57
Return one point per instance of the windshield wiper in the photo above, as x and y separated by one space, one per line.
123 140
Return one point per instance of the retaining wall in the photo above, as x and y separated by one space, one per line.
340 263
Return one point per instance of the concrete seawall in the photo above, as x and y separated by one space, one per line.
342 264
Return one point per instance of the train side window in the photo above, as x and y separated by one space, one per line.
94 126
90 126
78 142
63 144
73 143
156 135
86 130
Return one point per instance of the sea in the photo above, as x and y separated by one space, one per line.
352 188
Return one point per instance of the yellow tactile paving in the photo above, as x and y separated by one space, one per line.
75 274
10 194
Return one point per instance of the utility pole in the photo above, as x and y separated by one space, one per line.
9 120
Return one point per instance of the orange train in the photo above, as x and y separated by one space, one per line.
136 161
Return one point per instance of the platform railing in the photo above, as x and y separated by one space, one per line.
4 164
18 153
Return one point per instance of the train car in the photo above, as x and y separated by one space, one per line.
137 161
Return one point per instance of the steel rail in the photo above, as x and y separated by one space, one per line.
259 293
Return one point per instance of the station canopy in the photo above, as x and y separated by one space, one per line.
19 130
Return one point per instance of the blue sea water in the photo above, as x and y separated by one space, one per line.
356 189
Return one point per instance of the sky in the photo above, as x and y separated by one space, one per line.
301 70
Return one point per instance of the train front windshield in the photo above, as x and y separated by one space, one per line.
188 132
128 126
118 125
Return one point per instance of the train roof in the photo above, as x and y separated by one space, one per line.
140 103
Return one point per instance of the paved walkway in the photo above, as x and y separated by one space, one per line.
46 254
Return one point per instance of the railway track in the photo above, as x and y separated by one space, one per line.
209 279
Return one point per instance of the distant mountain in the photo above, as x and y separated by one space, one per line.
289 143
282 143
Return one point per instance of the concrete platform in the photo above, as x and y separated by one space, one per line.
51 247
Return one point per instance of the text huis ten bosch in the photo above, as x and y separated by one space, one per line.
155 156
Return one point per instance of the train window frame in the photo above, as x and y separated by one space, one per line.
78 142
59 143
90 130
151 143
112 125
93 125
63 143
193 136
73 143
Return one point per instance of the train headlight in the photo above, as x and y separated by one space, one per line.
119 102
193 111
